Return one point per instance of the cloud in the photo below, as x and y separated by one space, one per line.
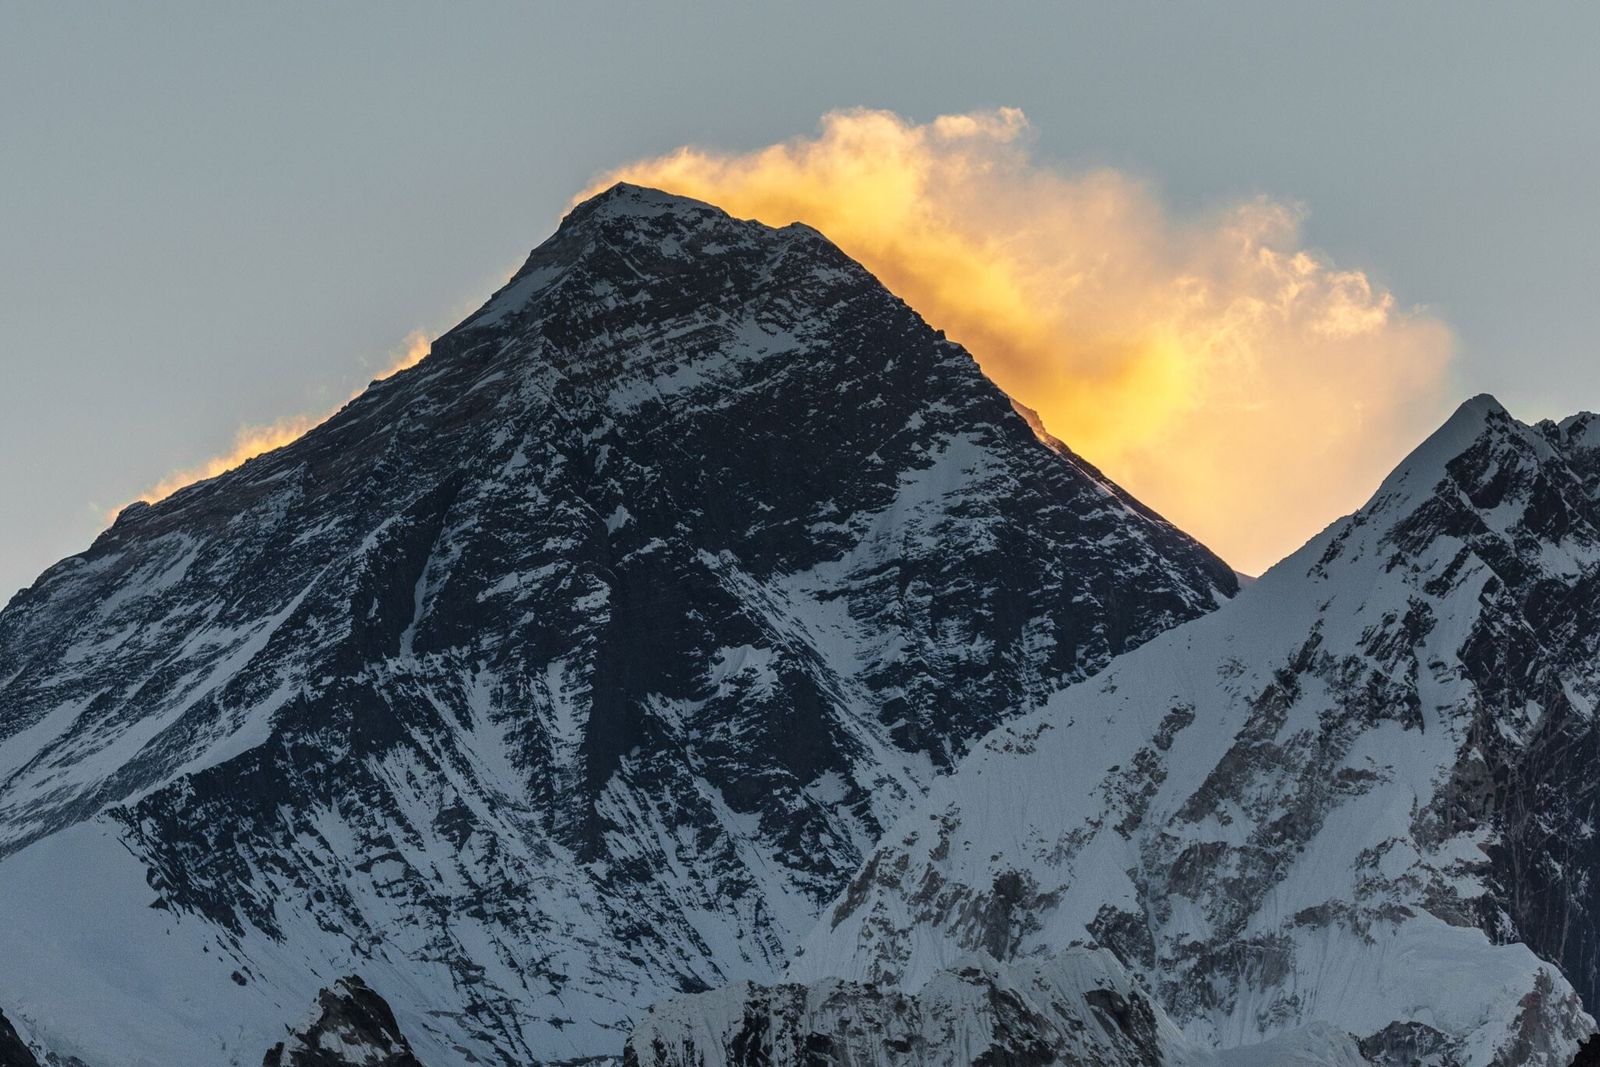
1241 384
252 441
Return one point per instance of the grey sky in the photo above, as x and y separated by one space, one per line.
213 215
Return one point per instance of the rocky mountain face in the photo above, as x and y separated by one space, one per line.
1077 1009
14 1052
353 1027
580 664
1360 795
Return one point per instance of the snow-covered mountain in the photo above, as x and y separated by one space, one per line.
1361 795
580 664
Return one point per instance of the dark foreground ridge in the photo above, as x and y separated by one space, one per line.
354 1028
1077 1010
13 1052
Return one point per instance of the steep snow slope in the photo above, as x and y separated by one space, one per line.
577 665
1361 794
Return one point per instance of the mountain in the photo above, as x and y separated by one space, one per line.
579 664
1362 794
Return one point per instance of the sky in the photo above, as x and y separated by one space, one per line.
219 217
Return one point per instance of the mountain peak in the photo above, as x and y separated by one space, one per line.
1425 465
626 200
1578 425
1480 405
1578 438
1482 473
1464 426
643 242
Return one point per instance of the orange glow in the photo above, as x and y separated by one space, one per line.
416 347
1238 383
249 442
253 441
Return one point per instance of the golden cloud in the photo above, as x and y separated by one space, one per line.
1239 383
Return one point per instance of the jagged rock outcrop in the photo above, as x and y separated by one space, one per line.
1361 794
578 665
1077 1009
353 1027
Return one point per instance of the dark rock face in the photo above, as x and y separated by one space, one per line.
13 1052
582 662
354 1028
1078 1010
1540 791
1410 1044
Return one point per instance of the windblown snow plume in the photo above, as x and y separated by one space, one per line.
253 441
1207 365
